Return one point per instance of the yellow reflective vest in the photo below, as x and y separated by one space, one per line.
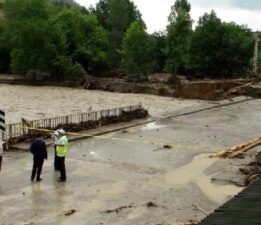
61 151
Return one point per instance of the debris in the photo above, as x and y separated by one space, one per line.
119 209
238 150
151 204
246 170
70 212
167 146
249 179
240 88
252 171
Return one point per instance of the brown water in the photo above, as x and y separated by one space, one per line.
32 102
195 172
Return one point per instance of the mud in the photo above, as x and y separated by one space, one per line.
109 174
202 89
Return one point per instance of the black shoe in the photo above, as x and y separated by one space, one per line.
32 179
61 180
38 179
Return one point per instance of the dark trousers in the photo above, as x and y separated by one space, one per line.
1 157
37 168
61 167
55 163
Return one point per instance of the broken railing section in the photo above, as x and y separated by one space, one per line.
19 132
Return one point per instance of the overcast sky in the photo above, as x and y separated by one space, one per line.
155 12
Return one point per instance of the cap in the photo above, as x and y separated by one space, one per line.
61 131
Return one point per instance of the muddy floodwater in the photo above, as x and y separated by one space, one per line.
112 181
33 103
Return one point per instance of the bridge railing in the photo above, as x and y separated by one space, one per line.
21 129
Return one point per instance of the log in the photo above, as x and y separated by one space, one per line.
238 88
238 150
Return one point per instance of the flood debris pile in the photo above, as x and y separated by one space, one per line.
251 172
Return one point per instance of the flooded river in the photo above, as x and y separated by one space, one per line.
31 102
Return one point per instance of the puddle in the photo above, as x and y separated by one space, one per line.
194 172
152 126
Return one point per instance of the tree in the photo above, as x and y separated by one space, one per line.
5 57
86 40
138 53
160 50
220 49
46 38
32 39
179 33
116 16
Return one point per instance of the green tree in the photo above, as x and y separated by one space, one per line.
116 16
220 49
160 50
87 41
179 33
32 39
5 57
138 53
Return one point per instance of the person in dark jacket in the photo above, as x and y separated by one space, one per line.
39 150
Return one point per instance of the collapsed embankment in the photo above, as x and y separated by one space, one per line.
198 89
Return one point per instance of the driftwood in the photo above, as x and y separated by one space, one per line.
70 212
238 150
239 88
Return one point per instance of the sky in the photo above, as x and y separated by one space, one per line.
155 12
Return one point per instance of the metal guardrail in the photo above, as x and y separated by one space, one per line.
15 130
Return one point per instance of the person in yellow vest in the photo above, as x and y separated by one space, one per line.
61 151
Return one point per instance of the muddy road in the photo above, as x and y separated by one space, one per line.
114 182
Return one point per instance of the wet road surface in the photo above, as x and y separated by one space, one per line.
114 182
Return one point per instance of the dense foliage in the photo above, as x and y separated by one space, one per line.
64 40
220 49
179 35
138 53
116 16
